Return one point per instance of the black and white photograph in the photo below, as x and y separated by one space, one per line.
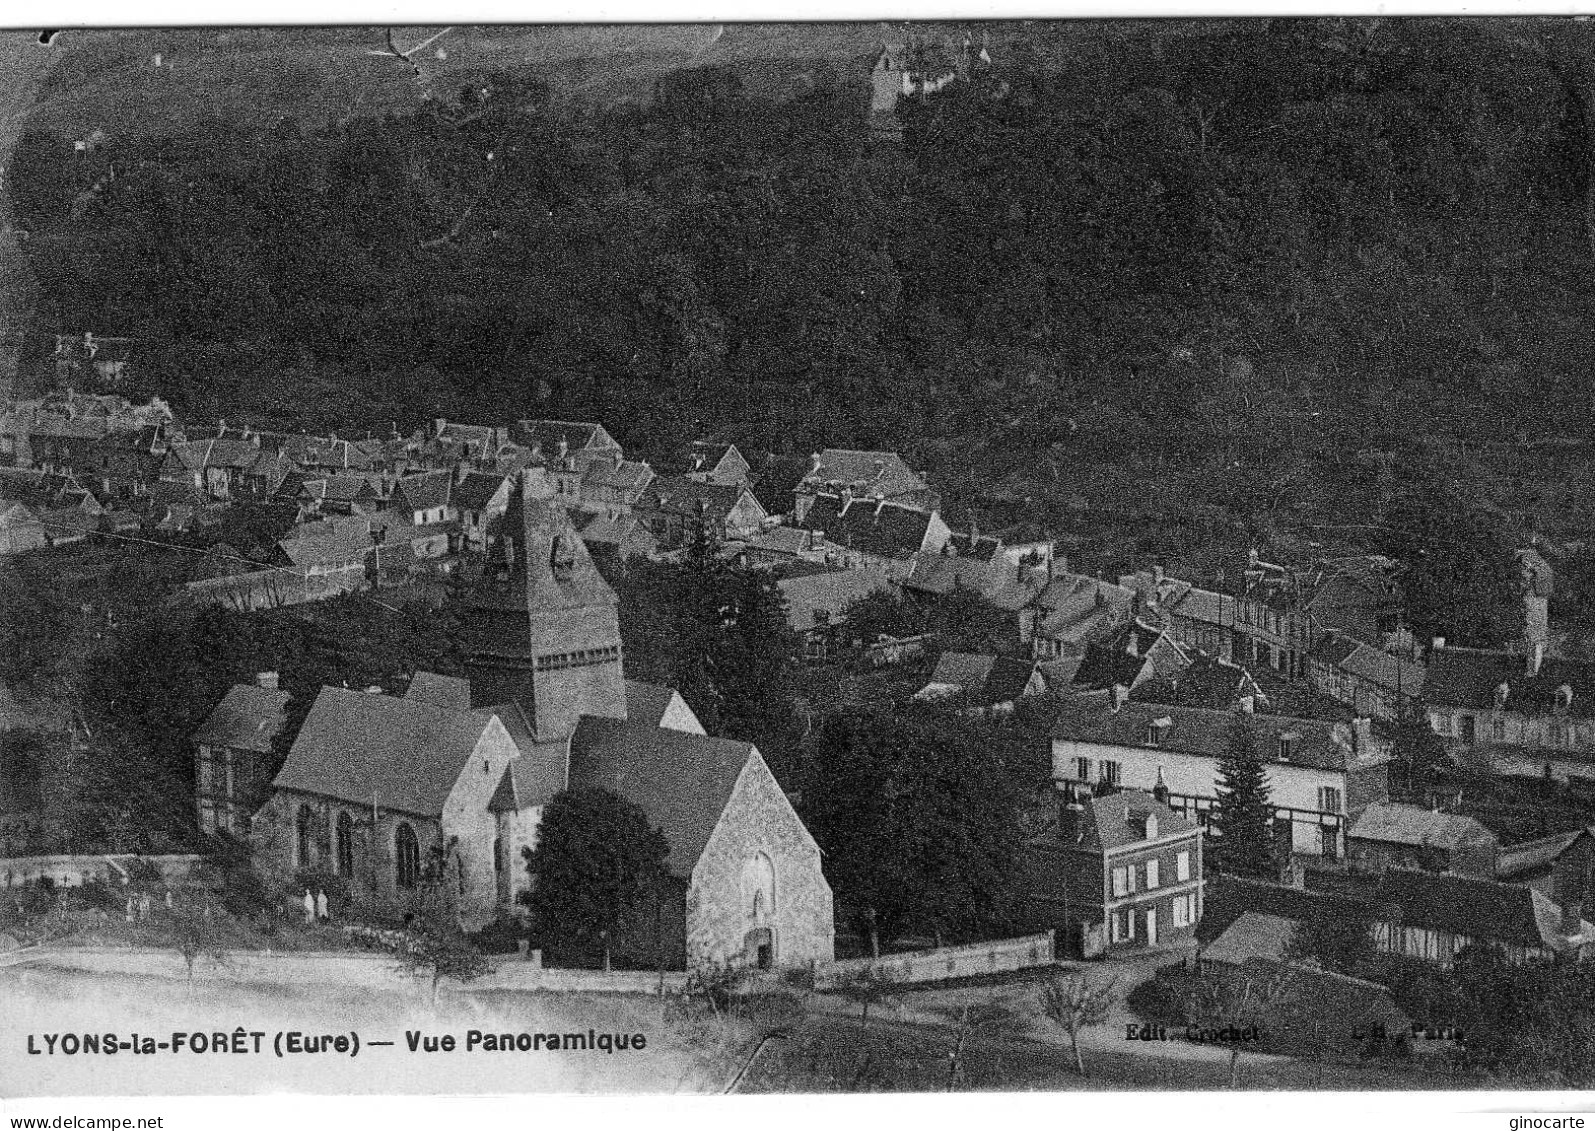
780 558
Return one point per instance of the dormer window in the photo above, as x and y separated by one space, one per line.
1288 745
1157 731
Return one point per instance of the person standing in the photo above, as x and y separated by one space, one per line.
310 907
321 906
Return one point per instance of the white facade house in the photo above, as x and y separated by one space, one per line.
1320 774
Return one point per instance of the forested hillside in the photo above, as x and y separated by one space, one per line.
1257 273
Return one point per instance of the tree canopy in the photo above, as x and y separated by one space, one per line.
1243 816
596 873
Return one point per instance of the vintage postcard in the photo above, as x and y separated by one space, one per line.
798 558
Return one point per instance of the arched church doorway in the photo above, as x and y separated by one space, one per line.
758 948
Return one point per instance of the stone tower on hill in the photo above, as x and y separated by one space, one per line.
540 628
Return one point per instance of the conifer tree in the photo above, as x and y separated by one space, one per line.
1243 817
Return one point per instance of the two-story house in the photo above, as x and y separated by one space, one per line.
1369 680
1507 713
864 475
233 761
1112 871
673 509
1321 775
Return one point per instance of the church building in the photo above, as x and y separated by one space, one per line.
442 788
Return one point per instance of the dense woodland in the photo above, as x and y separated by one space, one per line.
1228 266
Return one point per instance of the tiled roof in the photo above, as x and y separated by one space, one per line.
1201 731
782 540
1466 677
681 781
1253 935
831 591
15 516
247 718
775 479
1382 669
870 527
942 573
1109 821
866 472
962 669
380 750
646 703
971 544
423 492
674 494
602 530
446 691
1510 914
1517 861
577 435
326 452
332 541
476 490
622 475
1413 825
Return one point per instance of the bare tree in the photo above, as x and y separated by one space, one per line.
1074 1005
870 986
972 1017
726 1028
1252 999
195 930
436 947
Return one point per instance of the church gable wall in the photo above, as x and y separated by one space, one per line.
759 871
466 818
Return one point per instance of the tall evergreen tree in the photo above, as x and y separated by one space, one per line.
596 866
1243 818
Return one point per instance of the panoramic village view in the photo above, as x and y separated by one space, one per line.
808 558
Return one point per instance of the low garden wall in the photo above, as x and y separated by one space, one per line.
944 963
75 871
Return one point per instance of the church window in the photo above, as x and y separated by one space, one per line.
498 855
302 825
345 845
758 886
406 856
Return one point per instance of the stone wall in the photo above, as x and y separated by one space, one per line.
473 827
720 914
944 963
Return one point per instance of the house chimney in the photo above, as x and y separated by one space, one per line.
1536 658
1121 695
266 680
1071 820
1362 736
1149 826
1573 915
1248 704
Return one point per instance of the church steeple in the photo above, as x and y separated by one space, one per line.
541 627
